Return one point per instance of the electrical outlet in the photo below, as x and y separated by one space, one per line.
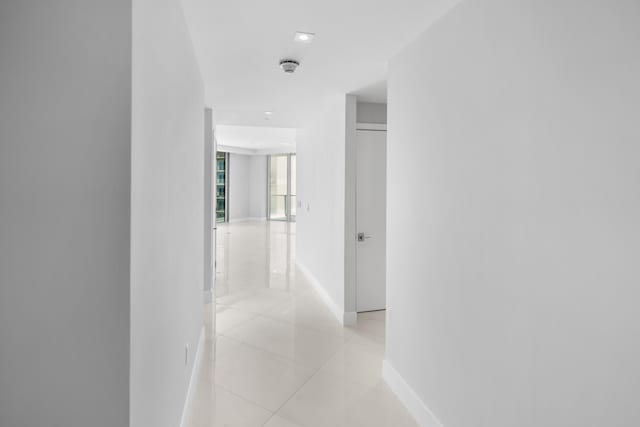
186 355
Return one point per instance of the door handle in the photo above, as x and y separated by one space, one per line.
362 237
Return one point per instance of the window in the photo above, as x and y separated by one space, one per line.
221 187
282 187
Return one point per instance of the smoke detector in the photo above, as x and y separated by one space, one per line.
289 66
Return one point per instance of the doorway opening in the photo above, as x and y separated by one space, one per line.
282 187
371 203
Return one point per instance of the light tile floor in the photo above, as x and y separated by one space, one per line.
275 356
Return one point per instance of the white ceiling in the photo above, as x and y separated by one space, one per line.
240 42
255 139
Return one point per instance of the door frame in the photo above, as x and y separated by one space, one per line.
382 127
210 192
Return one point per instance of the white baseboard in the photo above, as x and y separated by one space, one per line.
345 318
408 397
350 318
192 380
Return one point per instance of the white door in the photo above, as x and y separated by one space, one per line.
371 207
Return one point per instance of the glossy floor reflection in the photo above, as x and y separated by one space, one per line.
281 359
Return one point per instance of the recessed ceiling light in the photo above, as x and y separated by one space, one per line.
268 113
303 37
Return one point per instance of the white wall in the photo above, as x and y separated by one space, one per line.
369 112
247 186
258 186
238 193
321 186
65 125
350 223
167 208
513 233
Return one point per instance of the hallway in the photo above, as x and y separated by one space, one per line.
281 359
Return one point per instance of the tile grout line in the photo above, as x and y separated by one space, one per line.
215 384
269 352
307 381
280 320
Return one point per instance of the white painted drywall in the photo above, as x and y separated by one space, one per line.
167 212
65 125
247 187
350 218
321 190
513 209
369 112
238 193
258 187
